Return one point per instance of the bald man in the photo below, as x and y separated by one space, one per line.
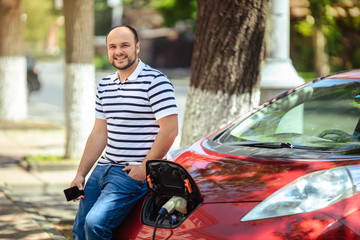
135 121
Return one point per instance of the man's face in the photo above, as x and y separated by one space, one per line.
121 48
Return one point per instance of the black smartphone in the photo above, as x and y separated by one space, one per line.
73 193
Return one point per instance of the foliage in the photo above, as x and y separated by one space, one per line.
102 17
39 15
340 22
304 27
101 61
301 51
307 76
43 158
171 10
175 10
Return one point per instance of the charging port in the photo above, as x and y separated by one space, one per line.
172 189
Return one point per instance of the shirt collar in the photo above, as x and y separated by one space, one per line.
134 74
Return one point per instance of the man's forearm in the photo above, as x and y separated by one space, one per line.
161 146
164 140
92 152
94 147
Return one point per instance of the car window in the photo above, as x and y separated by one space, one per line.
322 116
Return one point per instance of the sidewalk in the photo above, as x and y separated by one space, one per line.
32 201
15 223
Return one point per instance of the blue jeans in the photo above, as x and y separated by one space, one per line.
110 194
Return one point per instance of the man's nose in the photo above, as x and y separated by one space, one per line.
118 50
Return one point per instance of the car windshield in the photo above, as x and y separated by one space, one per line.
323 115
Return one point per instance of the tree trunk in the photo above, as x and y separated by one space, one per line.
225 69
79 74
321 58
13 88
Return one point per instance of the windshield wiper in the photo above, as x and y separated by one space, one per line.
262 144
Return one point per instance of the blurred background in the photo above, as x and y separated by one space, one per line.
324 38
331 27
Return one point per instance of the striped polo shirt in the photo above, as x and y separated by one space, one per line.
131 110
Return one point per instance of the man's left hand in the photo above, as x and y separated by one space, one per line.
137 172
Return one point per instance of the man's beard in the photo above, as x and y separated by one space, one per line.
127 66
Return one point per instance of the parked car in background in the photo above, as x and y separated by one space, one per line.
33 82
289 169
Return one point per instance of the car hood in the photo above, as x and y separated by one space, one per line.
227 178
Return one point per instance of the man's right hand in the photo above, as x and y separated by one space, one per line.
78 181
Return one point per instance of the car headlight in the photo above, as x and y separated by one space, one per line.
309 193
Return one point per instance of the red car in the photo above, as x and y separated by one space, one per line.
289 169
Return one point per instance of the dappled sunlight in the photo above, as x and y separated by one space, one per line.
15 224
313 227
243 178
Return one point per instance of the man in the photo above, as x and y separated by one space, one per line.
136 120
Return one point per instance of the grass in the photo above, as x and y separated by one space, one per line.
307 76
38 162
43 158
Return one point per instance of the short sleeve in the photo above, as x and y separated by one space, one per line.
162 97
99 113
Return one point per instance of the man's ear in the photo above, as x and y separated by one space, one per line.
138 48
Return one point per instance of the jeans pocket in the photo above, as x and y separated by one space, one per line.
134 180
105 174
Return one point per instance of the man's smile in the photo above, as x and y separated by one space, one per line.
120 58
